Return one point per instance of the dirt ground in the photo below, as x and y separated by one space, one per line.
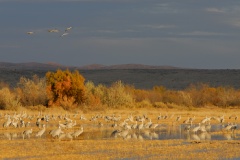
119 148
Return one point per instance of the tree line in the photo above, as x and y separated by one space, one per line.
69 90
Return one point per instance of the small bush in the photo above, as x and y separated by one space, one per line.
68 103
32 92
8 100
144 104
160 105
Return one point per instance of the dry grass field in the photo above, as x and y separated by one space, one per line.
13 146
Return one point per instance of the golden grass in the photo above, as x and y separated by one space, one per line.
49 148
118 149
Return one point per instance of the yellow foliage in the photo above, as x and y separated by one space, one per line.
65 87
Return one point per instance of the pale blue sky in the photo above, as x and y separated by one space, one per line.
181 33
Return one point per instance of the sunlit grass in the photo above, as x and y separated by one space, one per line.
50 148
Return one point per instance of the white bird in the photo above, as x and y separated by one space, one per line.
140 126
153 126
53 30
64 34
148 124
27 133
61 125
195 129
78 132
134 126
30 32
56 132
67 29
40 133
7 123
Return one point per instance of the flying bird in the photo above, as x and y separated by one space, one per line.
67 29
53 30
29 32
64 34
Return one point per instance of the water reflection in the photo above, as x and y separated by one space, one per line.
162 132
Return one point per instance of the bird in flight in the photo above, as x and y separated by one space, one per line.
67 29
29 32
53 30
64 34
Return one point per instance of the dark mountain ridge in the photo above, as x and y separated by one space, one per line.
54 66
140 76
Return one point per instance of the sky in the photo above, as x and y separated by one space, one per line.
203 34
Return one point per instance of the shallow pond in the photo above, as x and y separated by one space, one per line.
162 132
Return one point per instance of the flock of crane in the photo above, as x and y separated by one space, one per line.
66 32
128 126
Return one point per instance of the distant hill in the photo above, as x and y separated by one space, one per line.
54 66
31 65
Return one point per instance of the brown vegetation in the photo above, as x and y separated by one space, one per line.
70 91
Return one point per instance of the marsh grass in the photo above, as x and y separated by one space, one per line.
118 149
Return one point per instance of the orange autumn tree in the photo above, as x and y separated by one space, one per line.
65 88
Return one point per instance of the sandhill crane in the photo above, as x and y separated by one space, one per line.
123 123
14 123
171 116
208 127
153 126
41 132
61 125
187 127
30 32
202 128
165 117
195 129
7 135
133 136
140 126
191 119
53 30
234 117
78 132
231 127
67 29
69 136
70 125
126 126
124 133
195 137
234 127
206 119
27 124
82 117
159 117
56 132
134 126
186 121
114 125
27 133
22 123
38 122
228 127
7 123
64 34
115 133
178 118
148 124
